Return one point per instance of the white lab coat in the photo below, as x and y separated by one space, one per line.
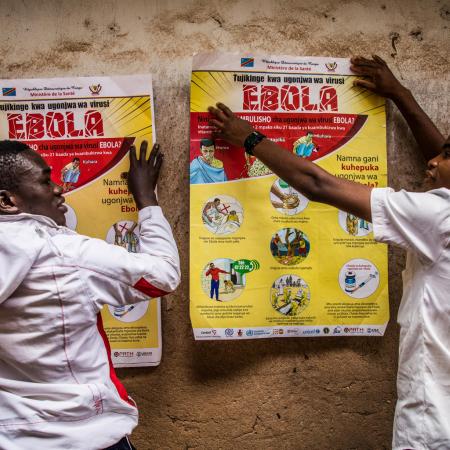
420 223
58 389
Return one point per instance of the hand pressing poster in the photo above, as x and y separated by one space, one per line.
83 128
265 261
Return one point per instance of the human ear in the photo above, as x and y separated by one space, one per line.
8 203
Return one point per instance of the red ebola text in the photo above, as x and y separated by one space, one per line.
54 125
287 98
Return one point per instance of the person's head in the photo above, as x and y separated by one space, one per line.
207 149
25 184
309 135
217 201
233 212
438 173
211 265
76 162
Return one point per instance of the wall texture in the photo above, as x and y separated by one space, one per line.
315 393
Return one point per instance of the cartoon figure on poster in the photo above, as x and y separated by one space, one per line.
220 281
290 295
206 168
289 246
70 174
286 199
304 146
355 226
222 215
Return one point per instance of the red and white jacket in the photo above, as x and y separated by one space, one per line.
57 383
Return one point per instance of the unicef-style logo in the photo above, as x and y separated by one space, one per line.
229 332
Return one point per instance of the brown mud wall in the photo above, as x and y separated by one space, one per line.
312 393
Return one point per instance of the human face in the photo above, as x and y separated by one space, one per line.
37 194
438 173
207 153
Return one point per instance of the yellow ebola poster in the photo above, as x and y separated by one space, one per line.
83 127
265 261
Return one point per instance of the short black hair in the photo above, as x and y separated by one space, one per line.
206 143
12 162
75 159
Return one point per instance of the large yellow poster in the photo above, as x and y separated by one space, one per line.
265 261
83 127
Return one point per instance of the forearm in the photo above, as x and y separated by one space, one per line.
315 183
157 242
304 176
428 137
380 80
300 173
144 199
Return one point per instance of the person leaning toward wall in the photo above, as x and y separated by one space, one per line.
418 222
58 388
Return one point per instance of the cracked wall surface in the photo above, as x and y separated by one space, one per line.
312 393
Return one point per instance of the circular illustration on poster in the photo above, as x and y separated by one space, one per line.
290 295
353 225
359 278
71 218
285 199
129 313
220 282
222 215
289 246
124 234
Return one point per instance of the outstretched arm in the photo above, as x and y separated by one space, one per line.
303 175
117 277
381 80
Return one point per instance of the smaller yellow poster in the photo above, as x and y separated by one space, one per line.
84 127
265 261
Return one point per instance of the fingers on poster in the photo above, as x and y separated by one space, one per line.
222 215
220 281
290 295
359 278
285 199
354 226
289 246
124 233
